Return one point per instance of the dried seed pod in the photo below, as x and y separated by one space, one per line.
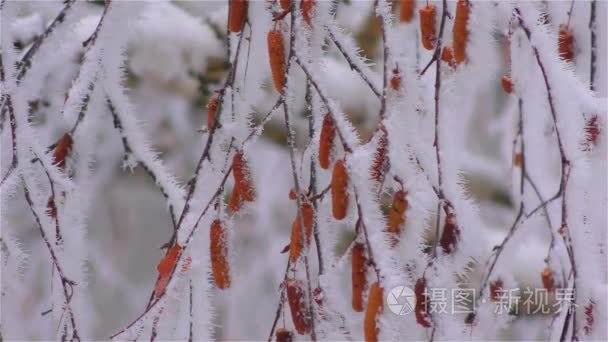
238 13
496 290
276 55
297 306
422 301
359 271
285 4
397 216
459 31
406 13
296 245
211 109
63 148
427 26
381 163
565 43
306 6
219 255
507 84
375 304
450 235
165 267
447 55
548 280
242 180
283 335
396 79
326 141
339 190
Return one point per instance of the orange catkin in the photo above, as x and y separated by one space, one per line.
397 216
339 190
211 109
165 267
496 290
295 298
295 247
219 255
359 270
565 43
459 31
375 304
507 84
447 55
285 4
276 55
283 335
242 180
235 201
427 26
326 141
64 145
237 15
422 301
396 79
306 7
406 14
547 278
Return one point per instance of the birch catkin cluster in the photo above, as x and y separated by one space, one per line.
327 170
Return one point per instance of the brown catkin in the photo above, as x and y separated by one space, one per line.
450 235
297 306
63 148
459 31
211 110
359 271
397 216
422 301
285 4
406 13
242 179
339 190
375 304
238 13
326 141
306 7
427 26
283 335
565 43
219 255
295 247
276 55
380 164
507 84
